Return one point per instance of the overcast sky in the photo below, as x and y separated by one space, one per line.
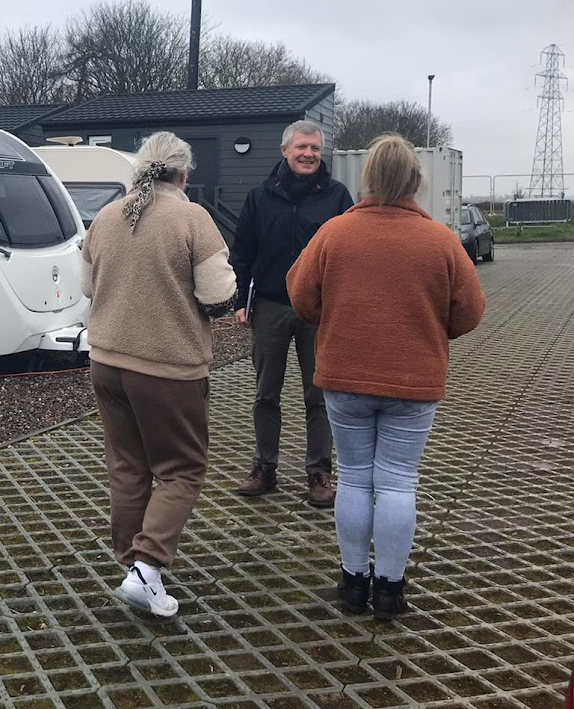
484 56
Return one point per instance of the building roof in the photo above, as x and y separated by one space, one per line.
195 106
13 118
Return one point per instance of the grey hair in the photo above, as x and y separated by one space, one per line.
305 127
162 157
164 147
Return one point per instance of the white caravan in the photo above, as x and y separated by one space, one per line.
41 302
92 174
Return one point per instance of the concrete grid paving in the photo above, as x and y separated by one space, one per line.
490 580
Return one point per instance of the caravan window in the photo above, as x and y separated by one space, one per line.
31 213
58 202
90 197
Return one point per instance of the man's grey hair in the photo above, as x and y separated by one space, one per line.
305 127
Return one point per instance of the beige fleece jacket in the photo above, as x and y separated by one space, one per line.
148 287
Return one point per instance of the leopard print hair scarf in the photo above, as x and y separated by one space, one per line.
143 190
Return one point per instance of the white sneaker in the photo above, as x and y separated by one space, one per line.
151 597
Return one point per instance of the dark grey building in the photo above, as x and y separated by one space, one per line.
25 121
235 133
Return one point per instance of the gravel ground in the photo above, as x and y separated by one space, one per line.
35 401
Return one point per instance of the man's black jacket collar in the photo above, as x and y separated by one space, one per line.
321 182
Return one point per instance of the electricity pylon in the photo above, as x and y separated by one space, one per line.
547 178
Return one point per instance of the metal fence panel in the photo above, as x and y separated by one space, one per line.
537 211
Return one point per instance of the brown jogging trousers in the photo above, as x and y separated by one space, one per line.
154 429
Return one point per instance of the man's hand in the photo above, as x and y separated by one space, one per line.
241 317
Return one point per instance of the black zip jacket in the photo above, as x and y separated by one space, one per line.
272 231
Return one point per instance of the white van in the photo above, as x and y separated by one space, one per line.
92 174
41 302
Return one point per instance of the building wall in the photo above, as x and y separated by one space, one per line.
237 174
323 113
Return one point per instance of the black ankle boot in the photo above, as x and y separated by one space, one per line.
388 598
354 590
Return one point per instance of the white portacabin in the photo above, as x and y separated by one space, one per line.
441 193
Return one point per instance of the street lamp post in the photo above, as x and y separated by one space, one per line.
430 78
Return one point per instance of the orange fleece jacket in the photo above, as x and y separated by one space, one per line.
388 287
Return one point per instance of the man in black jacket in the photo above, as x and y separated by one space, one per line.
277 221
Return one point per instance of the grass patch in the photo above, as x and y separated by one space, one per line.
518 235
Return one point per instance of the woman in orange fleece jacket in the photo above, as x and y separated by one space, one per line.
388 288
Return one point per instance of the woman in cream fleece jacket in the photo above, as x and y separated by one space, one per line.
156 268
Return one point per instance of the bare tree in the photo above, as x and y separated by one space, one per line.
31 67
358 122
125 47
228 62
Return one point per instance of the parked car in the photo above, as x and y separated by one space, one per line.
476 234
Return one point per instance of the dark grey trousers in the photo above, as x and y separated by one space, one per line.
274 326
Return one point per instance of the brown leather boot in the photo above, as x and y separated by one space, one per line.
259 481
321 494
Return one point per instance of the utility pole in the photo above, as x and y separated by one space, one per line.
547 169
194 39
430 78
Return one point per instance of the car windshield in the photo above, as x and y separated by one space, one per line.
465 216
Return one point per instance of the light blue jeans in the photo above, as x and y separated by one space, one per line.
379 442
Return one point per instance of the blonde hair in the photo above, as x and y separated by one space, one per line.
392 171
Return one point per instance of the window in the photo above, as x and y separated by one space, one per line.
477 216
3 237
90 197
465 216
61 207
105 140
32 214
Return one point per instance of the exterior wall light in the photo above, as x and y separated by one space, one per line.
242 145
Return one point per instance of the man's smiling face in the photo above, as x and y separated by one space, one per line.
303 154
